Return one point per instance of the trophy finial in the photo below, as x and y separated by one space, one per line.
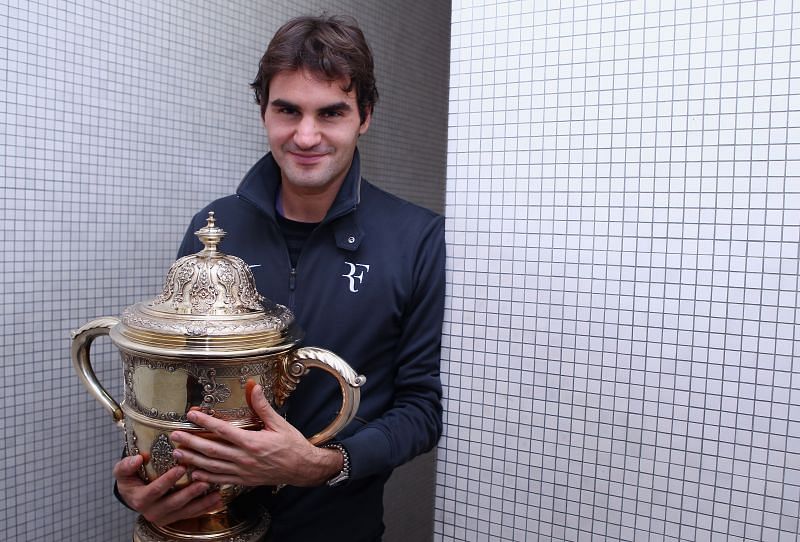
209 282
210 235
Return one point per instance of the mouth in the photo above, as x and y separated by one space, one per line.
307 159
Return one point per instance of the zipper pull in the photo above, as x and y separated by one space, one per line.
292 277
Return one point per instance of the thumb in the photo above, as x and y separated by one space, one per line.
127 467
261 406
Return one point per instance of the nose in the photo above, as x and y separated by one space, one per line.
307 134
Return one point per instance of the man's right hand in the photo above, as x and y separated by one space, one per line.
155 502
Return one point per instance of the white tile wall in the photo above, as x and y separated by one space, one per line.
623 223
118 121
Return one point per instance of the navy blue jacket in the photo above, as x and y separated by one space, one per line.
369 286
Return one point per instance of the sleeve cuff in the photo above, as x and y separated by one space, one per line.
370 452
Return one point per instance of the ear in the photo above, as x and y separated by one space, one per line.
365 125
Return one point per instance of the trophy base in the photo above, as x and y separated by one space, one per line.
237 524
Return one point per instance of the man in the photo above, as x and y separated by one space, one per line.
363 272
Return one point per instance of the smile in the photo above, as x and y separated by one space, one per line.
307 159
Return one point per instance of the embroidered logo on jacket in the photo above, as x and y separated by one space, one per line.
356 279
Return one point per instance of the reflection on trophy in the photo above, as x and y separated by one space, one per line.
196 346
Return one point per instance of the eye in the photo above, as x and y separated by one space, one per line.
287 111
331 114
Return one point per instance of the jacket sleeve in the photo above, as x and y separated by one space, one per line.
413 424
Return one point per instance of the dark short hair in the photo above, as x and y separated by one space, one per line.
330 47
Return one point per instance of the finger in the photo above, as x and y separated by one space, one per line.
127 467
200 506
164 483
186 503
258 402
217 478
221 428
248 391
186 495
206 446
188 457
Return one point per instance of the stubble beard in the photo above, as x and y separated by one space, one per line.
312 178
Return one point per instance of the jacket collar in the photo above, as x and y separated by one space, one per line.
261 183
260 186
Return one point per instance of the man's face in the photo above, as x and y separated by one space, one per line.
312 127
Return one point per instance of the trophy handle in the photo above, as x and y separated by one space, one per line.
309 357
82 340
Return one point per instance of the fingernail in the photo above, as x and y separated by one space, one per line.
176 437
191 415
177 454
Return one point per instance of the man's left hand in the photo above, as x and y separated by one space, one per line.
277 454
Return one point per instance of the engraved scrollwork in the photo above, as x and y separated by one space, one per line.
290 374
245 372
130 441
209 282
131 363
167 291
226 277
179 275
236 371
186 270
196 329
268 385
235 414
203 293
132 449
144 531
129 389
297 369
161 454
213 392
280 320
248 294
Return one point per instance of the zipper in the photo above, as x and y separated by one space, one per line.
292 269
325 221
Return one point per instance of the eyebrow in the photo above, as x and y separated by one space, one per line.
337 106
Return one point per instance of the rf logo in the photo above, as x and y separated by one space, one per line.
356 279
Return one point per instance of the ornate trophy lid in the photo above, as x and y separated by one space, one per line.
209 303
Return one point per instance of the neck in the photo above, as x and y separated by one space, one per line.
305 205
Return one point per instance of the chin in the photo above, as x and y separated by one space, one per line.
301 181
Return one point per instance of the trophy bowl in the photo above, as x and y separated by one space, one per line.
202 344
